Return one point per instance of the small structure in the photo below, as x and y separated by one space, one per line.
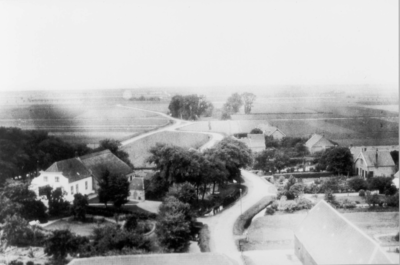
374 163
105 160
318 143
273 131
136 190
256 142
71 175
326 237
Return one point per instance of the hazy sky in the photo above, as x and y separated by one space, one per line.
85 44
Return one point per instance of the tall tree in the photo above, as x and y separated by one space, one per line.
79 206
174 225
337 160
248 99
190 107
113 188
235 100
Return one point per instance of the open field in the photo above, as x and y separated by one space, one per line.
139 151
276 231
225 127
391 108
159 106
83 124
79 228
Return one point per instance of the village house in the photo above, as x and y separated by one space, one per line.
98 162
373 163
136 190
256 142
273 131
71 175
318 143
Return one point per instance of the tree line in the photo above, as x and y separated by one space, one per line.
190 107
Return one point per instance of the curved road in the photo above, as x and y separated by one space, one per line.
222 239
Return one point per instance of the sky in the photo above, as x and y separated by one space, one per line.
89 44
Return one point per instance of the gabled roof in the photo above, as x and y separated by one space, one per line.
99 161
317 139
136 184
370 158
73 169
331 239
271 130
156 259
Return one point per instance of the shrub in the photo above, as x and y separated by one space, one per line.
348 204
357 183
204 239
380 183
269 211
330 198
281 179
296 190
256 131
291 206
63 242
361 193
274 205
303 203
373 200
393 200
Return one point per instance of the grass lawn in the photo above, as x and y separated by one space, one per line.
277 231
79 228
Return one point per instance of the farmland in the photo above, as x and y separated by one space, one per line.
139 150
225 127
84 124
276 231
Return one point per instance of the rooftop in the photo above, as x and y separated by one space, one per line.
73 169
378 158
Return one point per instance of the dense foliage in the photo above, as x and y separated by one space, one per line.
337 160
190 107
114 147
24 152
113 188
79 206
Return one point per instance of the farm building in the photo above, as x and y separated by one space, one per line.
105 160
136 190
71 175
256 142
155 259
374 163
326 237
273 131
318 143
356 150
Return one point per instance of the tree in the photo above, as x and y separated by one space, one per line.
383 184
358 183
58 206
296 189
262 161
174 225
113 188
256 131
337 160
248 99
235 101
14 229
63 242
184 192
190 107
79 206
280 161
114 147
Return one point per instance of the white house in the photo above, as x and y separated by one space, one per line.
318 143
273 131
374 163
70 174
136 190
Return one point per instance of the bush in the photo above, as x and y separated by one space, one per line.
373 200
330 198
204 239
274 205
303 203
393 200
357 183
296 190
30 263
63 242
290 207
348 204
269 211
361 193
381 183
256 131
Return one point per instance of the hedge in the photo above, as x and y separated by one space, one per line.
111 211
244 220
303 175
204 239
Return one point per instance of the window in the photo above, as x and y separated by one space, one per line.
86 185
57 179
72 189
45 179
77 188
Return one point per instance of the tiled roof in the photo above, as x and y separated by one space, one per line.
331 239
136 184
158 259
73 169
384 158
99 161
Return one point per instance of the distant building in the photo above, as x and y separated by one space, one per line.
136 190
273 131
256 142
98 162
374 163
318 143
71 175
326 237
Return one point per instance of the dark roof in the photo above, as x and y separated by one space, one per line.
136 184
331 239
384 158
73 169
99 161
156 259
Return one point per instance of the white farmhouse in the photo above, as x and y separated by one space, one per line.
70 174
374 163
318 143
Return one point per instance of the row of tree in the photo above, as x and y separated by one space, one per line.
190 107
235 102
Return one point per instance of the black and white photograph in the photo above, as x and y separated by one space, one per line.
199 132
